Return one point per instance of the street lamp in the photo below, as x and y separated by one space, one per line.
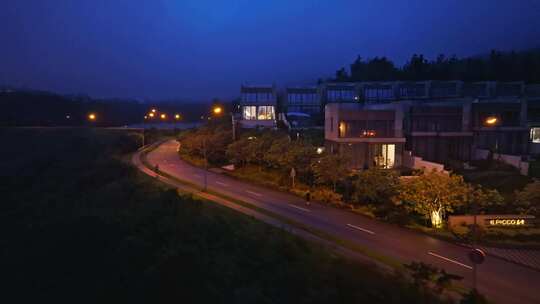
163 116
151 115
493 121
217 110
92 117
153 110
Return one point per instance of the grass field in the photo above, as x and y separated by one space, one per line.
80 224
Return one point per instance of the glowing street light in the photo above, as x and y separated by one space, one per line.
491 120
153 110
151 115
163 116
177 116
92 117
217 110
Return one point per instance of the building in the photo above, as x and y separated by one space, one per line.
340 92
258 105
439 130
439 121
371 135
306 100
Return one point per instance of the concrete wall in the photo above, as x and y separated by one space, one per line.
415 162
513 160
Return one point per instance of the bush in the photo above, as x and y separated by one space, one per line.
327 196
375 186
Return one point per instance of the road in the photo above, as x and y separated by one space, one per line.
501 281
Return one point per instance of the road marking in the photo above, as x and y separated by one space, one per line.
361 229
254 193
300 208
449 260
222 184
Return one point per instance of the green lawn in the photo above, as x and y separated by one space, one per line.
79 224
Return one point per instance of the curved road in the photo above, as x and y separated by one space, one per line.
501 281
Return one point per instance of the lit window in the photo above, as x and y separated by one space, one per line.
249 112
384 156
535 135
265 113
342 129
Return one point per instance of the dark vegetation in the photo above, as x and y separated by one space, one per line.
79 224
497 66
36 108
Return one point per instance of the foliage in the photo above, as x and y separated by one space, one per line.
482 200
212 139
376 186
528 199
327 196
433 194
424 274
331 168
473 297
498 66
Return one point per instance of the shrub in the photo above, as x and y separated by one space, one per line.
327 196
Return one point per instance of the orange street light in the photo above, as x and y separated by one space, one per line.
491 120
92 117
163 116
151 115
217 110
177 116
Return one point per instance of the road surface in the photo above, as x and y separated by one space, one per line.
501 281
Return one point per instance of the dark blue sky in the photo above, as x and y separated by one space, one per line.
198 49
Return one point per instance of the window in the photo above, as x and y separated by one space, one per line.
535 135
265 113
384 156
249 112
342 129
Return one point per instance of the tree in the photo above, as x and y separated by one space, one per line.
376 186
237 152
331 168
482 200
473 297
424 274
433 194
528 199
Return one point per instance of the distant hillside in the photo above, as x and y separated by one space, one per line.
36 108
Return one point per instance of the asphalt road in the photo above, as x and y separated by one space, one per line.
501 281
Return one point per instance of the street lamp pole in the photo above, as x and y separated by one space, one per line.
205 165
233 127
143 130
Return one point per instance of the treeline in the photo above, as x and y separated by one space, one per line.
36 108
497 66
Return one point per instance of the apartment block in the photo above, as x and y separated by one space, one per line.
258 106
371 135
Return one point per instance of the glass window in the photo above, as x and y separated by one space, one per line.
342 128
535 135
249 112
384 156
265 113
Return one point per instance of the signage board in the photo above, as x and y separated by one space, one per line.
509 222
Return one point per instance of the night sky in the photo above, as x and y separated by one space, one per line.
197 49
